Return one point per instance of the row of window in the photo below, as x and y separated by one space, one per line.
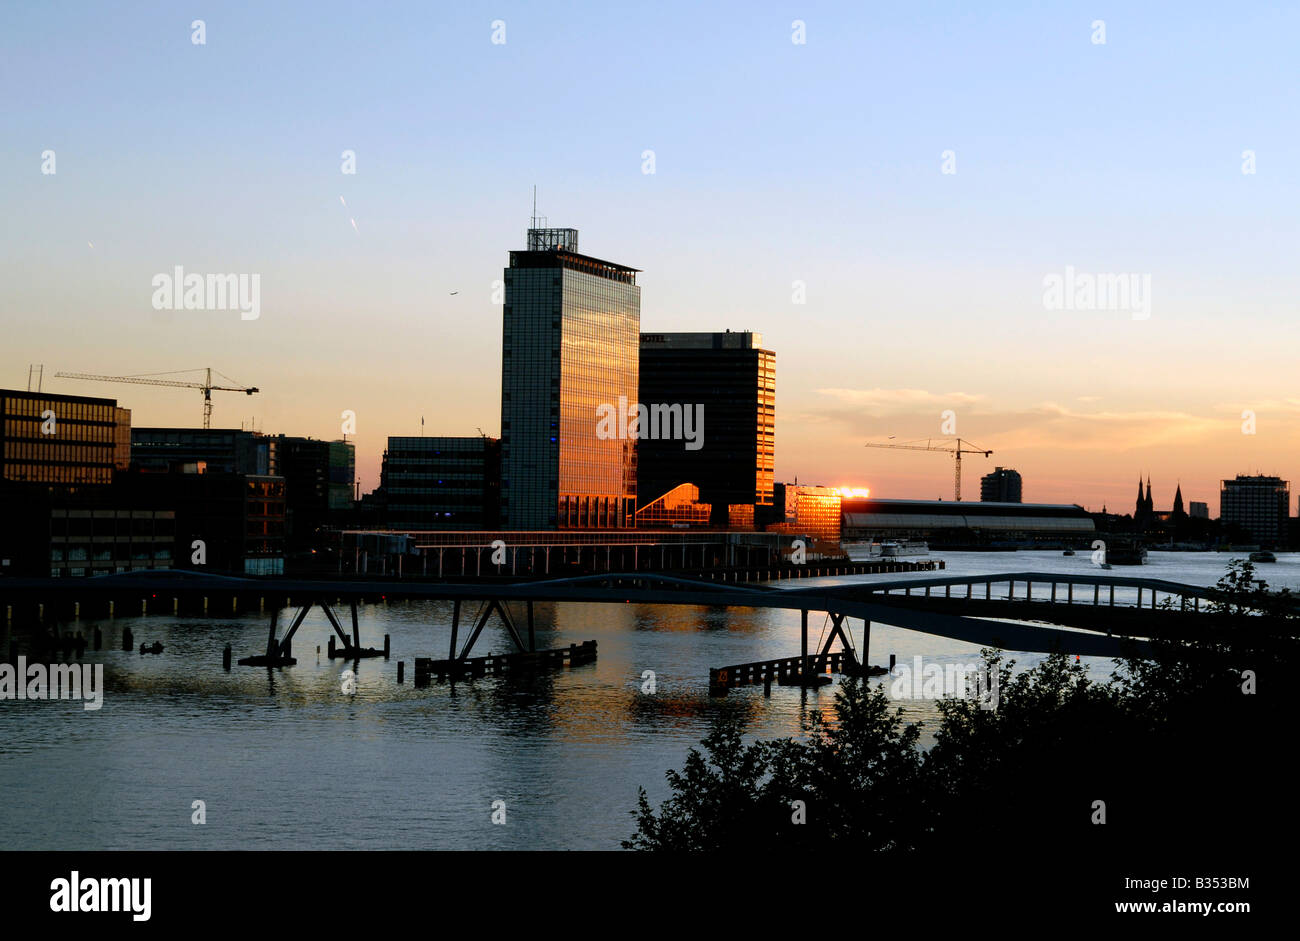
82 554
58 474
62 409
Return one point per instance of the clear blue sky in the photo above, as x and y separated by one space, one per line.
775 162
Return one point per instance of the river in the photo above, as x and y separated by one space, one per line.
285 759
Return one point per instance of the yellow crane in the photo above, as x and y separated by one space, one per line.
148 379
954 449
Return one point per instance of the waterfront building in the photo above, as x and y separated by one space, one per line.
960 524
1198 510
1258 504
239 519
570 334
809 511
1003 485
62 441
730 382
441 483
317 485
221 450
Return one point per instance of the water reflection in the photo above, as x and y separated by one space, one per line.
281 754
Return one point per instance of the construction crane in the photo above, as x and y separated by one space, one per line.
147 379
954 449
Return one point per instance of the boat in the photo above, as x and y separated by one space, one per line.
1263 556
1068 552
867 551
861 551
894 550
1127 555
1106 565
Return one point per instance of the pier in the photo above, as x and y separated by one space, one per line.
531 661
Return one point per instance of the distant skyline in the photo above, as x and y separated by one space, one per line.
775 163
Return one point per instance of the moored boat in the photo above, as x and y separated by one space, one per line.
1127 555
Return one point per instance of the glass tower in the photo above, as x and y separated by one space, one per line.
569 353
732 380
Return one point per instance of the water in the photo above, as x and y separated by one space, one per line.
284 760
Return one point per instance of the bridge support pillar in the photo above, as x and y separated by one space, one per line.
803 642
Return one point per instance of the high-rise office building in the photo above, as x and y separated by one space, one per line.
1198 510
1260 505
570 332
1003 485
722 388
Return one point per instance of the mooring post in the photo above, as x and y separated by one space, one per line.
356 631
331 647
225 658
401 671
128 639
386 647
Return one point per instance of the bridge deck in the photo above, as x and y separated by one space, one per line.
867 600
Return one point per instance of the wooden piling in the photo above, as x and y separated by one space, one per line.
128 640
225 658
401 671
387 648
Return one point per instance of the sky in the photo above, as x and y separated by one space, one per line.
886 202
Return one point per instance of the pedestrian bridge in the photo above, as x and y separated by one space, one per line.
1102 615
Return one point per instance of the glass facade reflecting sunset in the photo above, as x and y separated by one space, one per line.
570 338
